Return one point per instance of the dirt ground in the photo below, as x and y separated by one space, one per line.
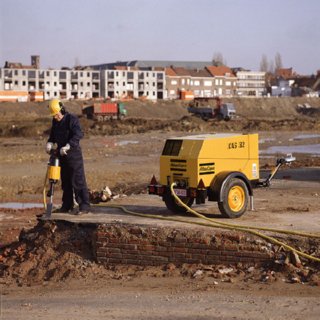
124 156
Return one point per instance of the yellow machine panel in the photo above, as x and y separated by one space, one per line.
54 173
192 158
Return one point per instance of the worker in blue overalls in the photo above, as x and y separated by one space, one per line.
66 134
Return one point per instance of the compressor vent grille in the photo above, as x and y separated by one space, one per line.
172 148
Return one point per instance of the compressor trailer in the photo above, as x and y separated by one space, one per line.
218 167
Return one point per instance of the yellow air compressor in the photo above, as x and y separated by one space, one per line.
217 167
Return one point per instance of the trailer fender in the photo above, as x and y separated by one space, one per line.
218 184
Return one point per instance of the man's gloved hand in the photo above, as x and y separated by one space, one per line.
64 150
49 147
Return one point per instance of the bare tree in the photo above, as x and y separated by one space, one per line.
264 64
277 61
218 60
271 67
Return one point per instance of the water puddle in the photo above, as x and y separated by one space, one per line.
20 205
306 136
313 149
264 140
126 142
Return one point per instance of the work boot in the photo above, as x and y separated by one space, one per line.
63 210
82 211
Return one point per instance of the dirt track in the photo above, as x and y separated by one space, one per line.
124 156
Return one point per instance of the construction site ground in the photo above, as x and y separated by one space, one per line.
124 155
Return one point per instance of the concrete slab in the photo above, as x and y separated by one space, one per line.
275 207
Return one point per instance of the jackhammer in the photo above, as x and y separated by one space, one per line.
53 175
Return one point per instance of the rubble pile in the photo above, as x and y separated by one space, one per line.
58 251
48 252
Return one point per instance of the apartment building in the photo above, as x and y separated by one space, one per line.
225 82
130 82
63 84
250 83
138 79
210 81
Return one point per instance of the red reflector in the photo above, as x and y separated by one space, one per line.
160 190
201 185
153 180
193 192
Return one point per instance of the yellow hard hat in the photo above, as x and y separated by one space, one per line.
55 106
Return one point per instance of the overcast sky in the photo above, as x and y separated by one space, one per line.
69 32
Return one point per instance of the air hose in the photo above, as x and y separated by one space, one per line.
249 229
215 224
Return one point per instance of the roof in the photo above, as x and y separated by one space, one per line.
285 73
181 71
309 82
155 63
220 71
170 72
17 65
203 73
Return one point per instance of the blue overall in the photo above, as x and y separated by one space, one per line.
73 180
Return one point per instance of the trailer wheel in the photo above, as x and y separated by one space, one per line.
99 118
235 197
173 206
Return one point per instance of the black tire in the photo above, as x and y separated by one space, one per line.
100 118
173 206
235 198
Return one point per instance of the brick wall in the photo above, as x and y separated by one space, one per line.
151 246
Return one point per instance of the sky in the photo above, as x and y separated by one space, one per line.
87 32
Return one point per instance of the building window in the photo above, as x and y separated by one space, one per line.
207 83
31 74
197 83
62 75
174 82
